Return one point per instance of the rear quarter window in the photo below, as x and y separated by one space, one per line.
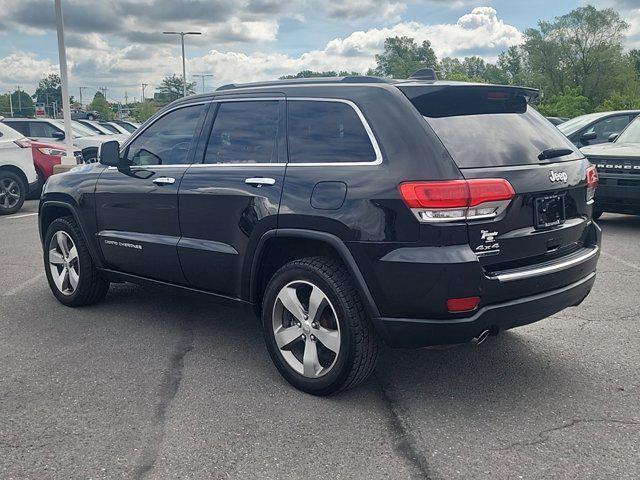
327 132
487 127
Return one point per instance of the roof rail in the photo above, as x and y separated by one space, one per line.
307 81
425 74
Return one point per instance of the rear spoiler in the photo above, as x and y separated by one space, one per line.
413 89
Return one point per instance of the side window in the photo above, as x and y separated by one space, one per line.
167 141
326 132
22 127
607 126
244 132
42 129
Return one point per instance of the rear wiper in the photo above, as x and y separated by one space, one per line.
554 153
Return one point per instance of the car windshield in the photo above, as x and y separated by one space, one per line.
571 126
631 134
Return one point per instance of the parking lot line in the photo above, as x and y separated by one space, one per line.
23 285
621 260
13 217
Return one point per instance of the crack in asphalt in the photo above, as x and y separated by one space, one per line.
408 446
169 385
546 434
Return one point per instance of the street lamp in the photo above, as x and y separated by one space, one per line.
184 71
203 76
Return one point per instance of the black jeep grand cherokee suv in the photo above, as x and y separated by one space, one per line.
419 212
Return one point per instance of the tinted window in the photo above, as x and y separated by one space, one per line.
606 127
22 127
167 140
486 127
327 132
244 132
42 129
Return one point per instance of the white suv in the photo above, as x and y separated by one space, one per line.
17 174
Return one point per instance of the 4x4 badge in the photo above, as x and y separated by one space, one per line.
558 176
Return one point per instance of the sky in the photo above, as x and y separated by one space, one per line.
119 44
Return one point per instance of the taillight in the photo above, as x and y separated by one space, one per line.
457 199
56 152
23 142
592 183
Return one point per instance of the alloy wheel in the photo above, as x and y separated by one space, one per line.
64 263
9 193
306 329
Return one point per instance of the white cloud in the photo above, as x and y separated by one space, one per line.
477 32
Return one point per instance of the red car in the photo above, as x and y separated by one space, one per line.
45 156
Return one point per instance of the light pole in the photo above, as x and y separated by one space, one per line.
184 70
66 106
144 85
202 76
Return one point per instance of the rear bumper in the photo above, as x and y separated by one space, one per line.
618 193
413 333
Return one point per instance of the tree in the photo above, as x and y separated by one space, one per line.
144 111
570 103
449 68
620 101
49 92
402 57
582 48
22 104
634 59
5 108
171 88
514 64
100 105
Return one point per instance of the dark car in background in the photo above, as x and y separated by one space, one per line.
595 128
618 164
79 113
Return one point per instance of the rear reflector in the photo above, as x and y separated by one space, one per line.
467 304
457 199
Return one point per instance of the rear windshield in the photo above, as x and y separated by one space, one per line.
487 127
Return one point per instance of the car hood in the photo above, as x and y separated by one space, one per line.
97 140
612 150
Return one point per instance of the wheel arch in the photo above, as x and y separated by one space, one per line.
17 171
50 210
306 243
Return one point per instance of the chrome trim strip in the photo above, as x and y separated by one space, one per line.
534 272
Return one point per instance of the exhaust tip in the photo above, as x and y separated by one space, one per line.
482 337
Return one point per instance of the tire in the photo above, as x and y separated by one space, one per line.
89 286
90 117
13 192
340 323
597 214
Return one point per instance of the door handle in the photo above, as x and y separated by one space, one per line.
260 181
164 181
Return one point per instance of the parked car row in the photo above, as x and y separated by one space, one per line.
30 147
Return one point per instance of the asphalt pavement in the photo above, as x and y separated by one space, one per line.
154 385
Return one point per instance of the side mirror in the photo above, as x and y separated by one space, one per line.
109 153
586 137
58 135
613 136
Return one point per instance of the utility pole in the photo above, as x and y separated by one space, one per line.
126 99
81 89
64 80
184 70
19 99
143 85
104 91
11 104
202 76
